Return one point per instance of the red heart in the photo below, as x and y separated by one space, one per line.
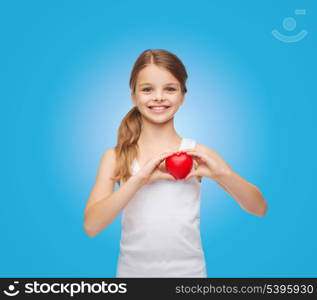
179 164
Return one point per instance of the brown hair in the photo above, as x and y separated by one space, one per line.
130 128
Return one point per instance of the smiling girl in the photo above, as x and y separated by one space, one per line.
161 215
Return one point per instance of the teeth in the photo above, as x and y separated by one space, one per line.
158 108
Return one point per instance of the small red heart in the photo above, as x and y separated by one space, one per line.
179 164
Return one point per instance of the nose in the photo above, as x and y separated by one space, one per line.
159 95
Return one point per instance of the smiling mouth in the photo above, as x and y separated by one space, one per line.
159 108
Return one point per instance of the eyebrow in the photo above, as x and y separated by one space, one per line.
170 83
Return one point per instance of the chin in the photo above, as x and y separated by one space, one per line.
158 119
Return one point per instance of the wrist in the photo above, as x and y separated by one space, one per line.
139 179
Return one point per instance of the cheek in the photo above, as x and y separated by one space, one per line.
177 99
143 99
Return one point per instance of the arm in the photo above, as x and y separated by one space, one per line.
213 166
246 194
104 205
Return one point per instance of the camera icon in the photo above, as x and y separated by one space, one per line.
12 291
289 24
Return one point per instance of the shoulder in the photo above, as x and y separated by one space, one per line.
107 162
109 154
207 150
202 148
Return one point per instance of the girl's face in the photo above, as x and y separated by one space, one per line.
157 94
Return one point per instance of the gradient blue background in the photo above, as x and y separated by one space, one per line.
64 90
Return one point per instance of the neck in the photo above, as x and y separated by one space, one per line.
158 135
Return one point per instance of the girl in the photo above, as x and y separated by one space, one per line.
160 219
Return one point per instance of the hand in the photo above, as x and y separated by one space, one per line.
209 165
150 172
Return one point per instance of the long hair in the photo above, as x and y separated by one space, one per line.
129 131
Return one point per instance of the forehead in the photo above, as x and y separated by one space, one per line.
153 74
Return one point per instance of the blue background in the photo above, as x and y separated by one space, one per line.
64 90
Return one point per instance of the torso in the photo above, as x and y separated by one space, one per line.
161 228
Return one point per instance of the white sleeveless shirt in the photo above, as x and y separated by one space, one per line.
161 229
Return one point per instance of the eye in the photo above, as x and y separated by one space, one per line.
170 89
146 89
